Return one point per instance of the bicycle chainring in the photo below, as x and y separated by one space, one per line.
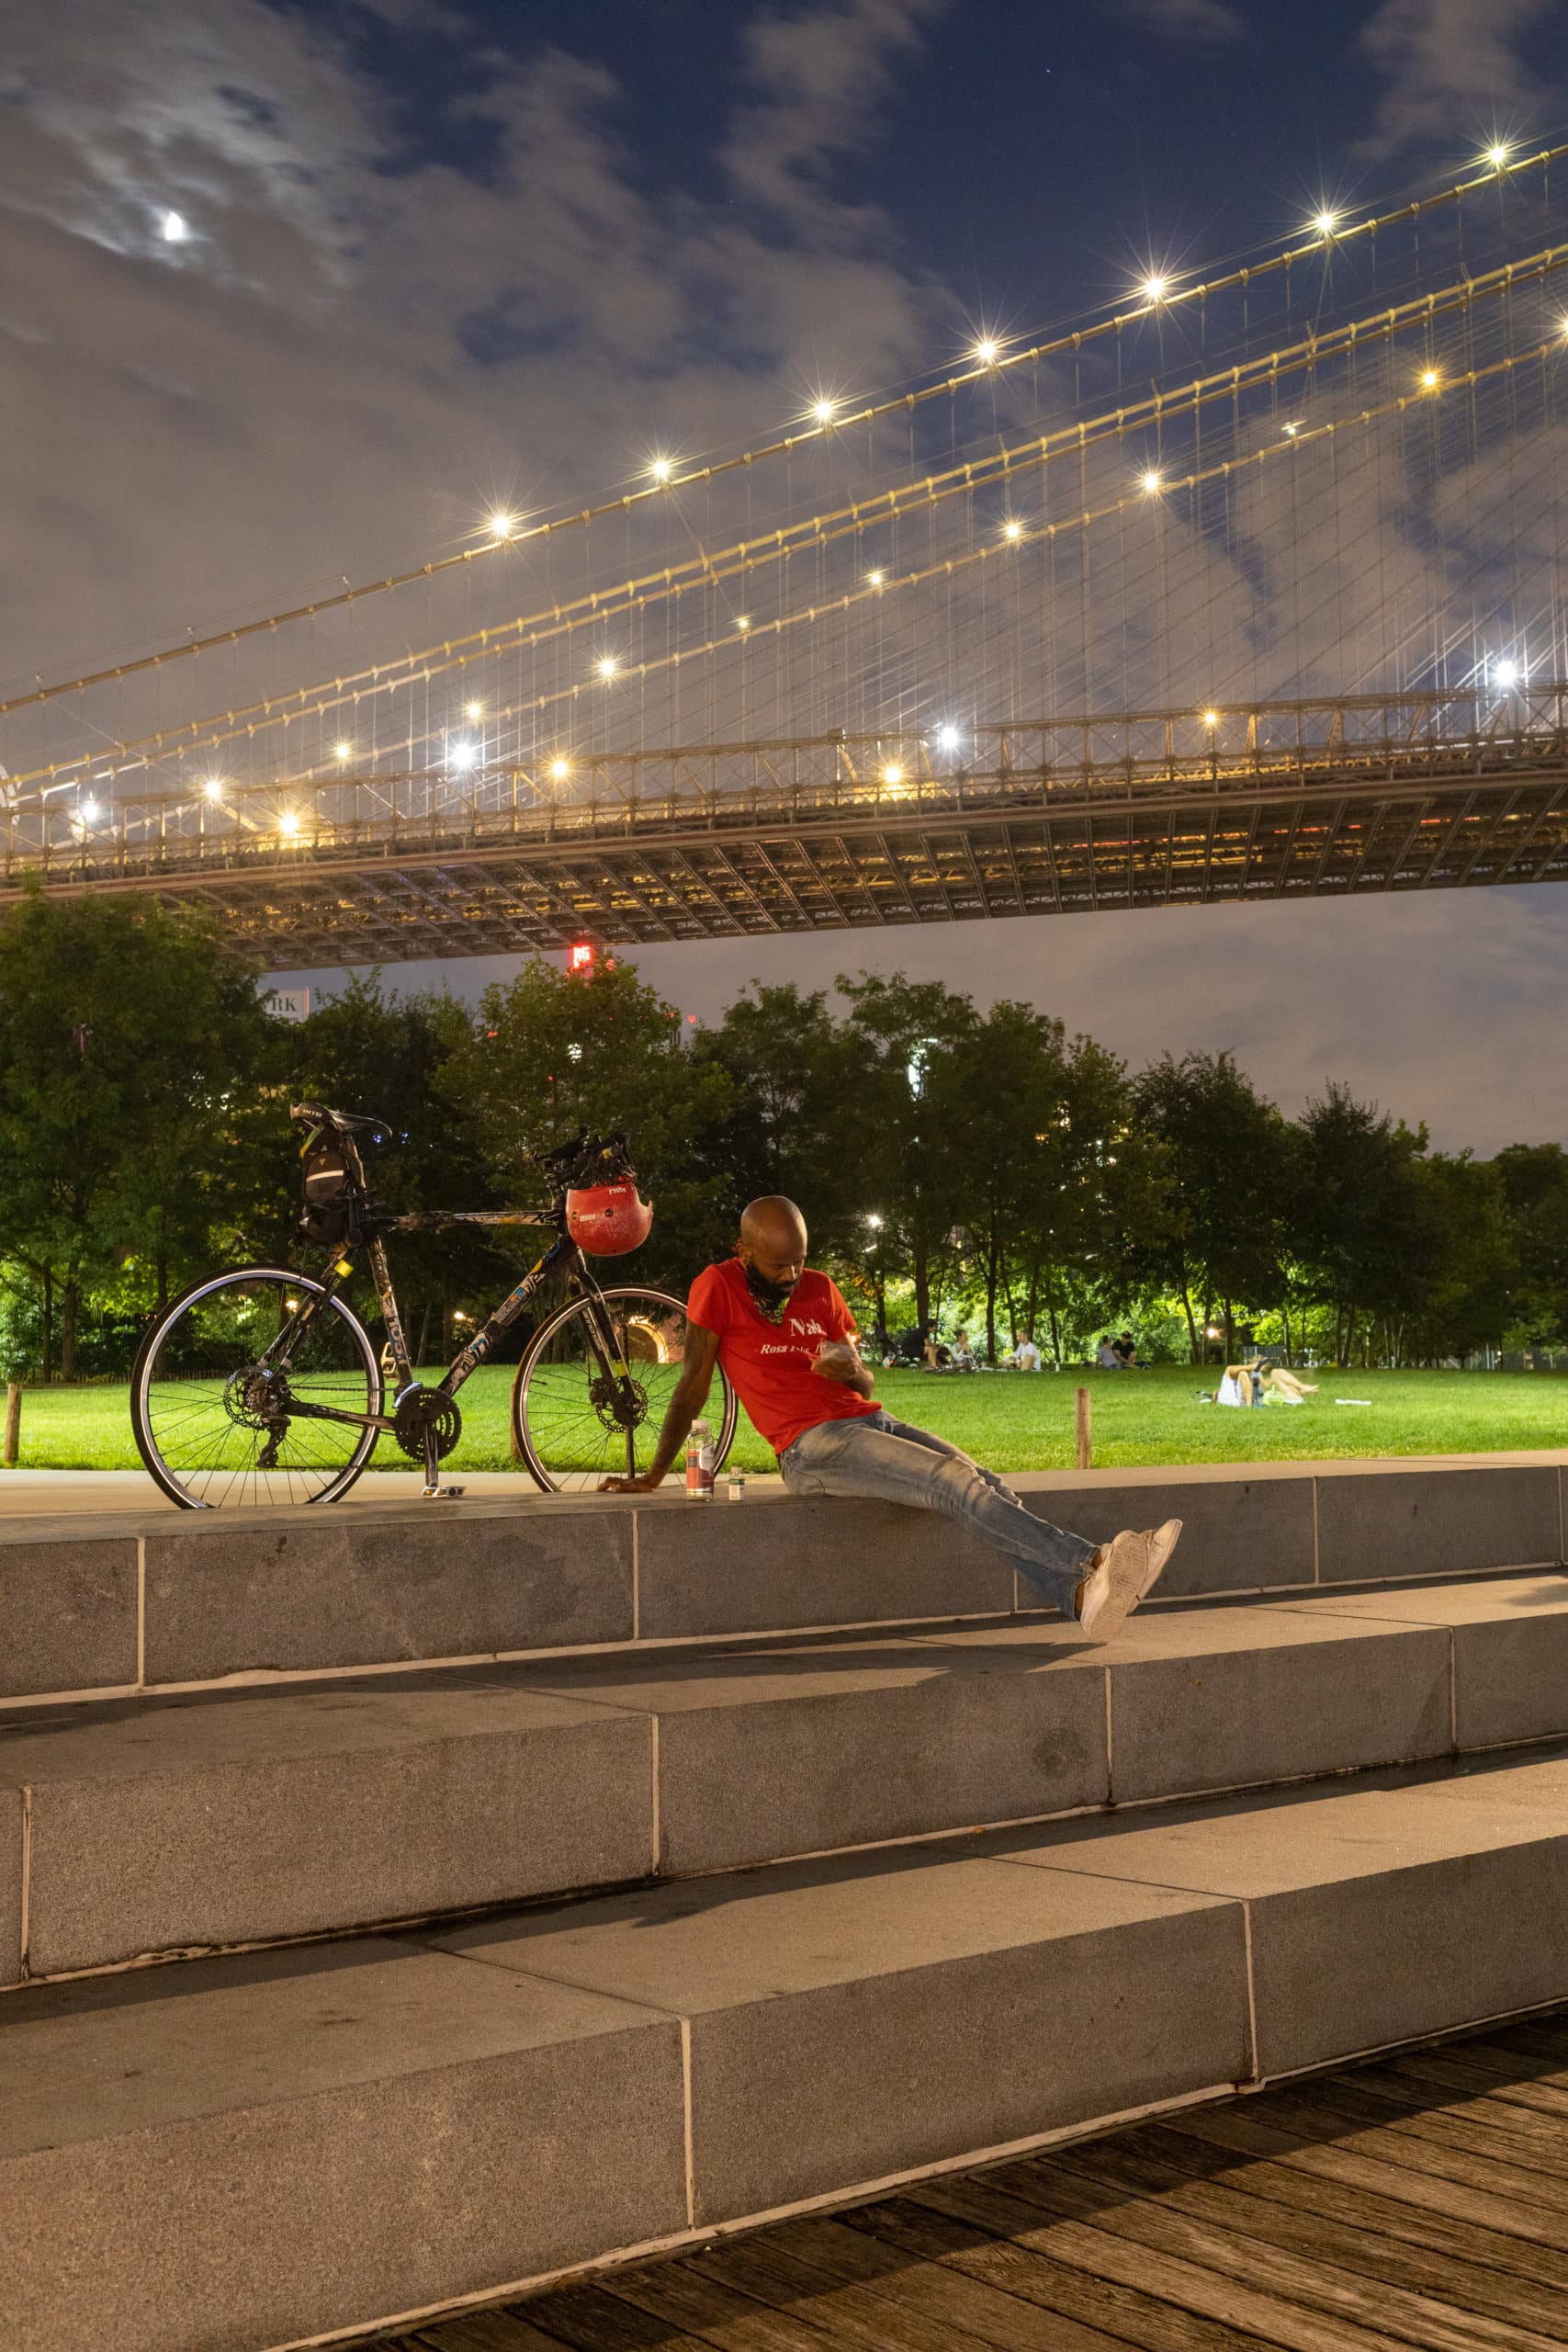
420 1410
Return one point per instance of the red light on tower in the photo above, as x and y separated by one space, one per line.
580 956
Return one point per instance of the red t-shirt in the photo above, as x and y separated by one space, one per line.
769 1365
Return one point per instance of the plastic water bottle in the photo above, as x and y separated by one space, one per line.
737 1485
699 1464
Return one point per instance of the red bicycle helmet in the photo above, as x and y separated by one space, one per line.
608 1220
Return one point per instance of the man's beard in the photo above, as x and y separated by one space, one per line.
772 1297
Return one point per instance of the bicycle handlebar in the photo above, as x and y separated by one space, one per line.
575 1161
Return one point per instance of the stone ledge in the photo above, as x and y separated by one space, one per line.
296 1593
254 2150
249 2151
167 1825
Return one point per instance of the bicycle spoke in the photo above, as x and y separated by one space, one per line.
581 1424
208 1406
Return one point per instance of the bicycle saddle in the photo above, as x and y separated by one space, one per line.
345 1123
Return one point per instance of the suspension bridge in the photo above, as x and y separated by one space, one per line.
1249 589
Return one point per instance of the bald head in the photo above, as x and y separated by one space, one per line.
772 1241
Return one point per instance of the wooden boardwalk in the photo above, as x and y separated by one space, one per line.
1422 2201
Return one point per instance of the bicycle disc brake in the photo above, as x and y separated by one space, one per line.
621 1404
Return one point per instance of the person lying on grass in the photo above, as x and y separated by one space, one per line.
786 1342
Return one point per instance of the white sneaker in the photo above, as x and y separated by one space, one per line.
1128 1568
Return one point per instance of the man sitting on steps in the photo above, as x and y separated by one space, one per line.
786 1340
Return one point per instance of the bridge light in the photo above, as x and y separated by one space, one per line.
1324 222
661 469
1013 528
500 526
1150 481
1291 430
213 787
1429 379
1211 718
875 579
473 710
1498 154
1152 289
987 351
461 756
744 622
607 666
893 774
88 812
1506 673
288 823
823 409
559 770
948 738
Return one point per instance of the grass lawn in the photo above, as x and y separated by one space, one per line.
1010 1420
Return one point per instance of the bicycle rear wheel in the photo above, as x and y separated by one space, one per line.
210 1396
572 1425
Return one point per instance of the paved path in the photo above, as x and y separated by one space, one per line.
34 1493
1422 2199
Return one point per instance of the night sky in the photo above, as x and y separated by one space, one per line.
439 255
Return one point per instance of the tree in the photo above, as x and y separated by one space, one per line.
132 1045
911 1038
1369 1227
552 1051
1534 1177
1045 1168
383 1053
797 1081
1466 1300
1230 1165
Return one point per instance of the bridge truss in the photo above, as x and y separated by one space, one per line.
1269 801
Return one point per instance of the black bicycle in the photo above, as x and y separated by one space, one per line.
262 1385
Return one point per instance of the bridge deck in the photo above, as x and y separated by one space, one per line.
752 840
1424 2198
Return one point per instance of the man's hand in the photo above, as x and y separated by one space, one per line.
836 1359
643 1484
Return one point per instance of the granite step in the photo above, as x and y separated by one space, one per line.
167 1825
251 2151
173 1600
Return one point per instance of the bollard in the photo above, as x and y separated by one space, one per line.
13 1423
1086 1448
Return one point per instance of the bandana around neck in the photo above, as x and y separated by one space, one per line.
769 1298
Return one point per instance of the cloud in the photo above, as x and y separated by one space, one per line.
1451 66
357 348
820 77
1199 20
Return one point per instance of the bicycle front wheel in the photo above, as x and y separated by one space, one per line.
218 1384
574 1424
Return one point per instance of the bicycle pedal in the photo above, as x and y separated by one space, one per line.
440 1494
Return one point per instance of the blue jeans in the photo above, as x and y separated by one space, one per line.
873 1455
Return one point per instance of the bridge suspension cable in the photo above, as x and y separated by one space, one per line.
814 429
1161 410
950 567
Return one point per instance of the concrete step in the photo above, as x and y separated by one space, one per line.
251 2151
122 1604
166 1825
